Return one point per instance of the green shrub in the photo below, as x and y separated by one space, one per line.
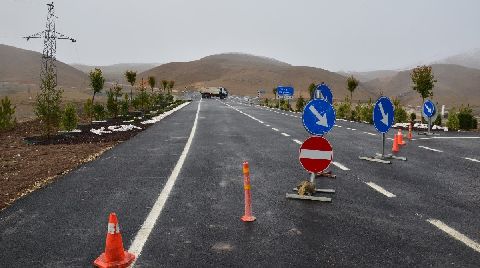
124 105
366 113
47 106
400 115
413 116
112 104
7 121
438 121
344 110
452 120
466 120
99 111
169 98
69 117
300 105
88 109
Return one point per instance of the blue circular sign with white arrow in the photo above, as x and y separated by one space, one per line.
318 117
383 116
429 108
323 92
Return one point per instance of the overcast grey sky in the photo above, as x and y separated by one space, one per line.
355 35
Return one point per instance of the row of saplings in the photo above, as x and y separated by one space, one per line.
48 108
148 102
461 118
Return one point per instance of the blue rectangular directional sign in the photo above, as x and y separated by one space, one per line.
285 91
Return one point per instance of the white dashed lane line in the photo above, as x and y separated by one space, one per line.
297 141
431 149
285 134
455 234
267 125
340 166
472 159
369 133
380 189
276 129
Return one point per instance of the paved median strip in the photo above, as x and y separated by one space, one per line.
455 234
380 189
431 149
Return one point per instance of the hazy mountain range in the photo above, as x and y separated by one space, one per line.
244 74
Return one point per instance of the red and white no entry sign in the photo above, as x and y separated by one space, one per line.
316 154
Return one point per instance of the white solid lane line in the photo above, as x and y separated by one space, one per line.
455 234
147 226
276 129
297 141
472 159
285 134
431 149
380 189
340 166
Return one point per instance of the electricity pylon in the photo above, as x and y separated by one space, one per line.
50 36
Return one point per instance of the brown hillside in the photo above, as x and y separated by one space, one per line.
456 85
22 66
244 74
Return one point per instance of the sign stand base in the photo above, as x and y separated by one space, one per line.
383 158
311 197
327 174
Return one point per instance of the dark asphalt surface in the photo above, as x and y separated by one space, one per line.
64 224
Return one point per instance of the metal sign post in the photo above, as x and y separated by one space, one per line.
316 153
383 118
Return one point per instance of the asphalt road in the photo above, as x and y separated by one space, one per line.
422 212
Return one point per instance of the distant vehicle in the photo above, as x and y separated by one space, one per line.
209 92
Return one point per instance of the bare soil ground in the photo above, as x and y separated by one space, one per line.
29 162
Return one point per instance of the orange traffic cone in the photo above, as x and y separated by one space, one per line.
400 137
410 132
114 255
395 144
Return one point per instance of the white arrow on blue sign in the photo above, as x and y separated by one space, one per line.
323 92
429 108
383 114
318 117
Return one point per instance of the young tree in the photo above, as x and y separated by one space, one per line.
413 116
7 121
131 78
47 106
112 103
164 85
311 89
151 82
452 120
171 84
69 118
423 81
96 81
274 91
300 104
352 84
